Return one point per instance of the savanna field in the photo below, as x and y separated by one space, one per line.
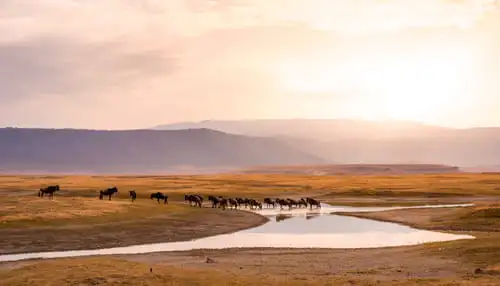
77 219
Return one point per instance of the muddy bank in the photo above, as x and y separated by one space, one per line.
164 228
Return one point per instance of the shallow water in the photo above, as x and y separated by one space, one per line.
301 228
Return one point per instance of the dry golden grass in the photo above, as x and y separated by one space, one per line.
77 203
397 185
15 209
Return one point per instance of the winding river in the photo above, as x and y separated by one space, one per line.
298 228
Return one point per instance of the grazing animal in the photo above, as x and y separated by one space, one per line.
269 202
108 192
160 196
49 190
194 200
215 201
133 195
312 202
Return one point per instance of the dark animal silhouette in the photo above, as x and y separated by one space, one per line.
223 203
108 192
48 190
282 203
215 201
293 203
302 202
160 196
233 203
240 201
194 200
255 204
312 202
133 195
246 202
269 202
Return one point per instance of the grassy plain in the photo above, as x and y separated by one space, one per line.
24 218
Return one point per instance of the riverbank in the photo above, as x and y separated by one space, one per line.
82 223
448 263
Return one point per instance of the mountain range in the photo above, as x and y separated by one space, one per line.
221 146
139 151
371 142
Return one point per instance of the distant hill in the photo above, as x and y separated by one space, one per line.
139 151
354 169
373 142
316 129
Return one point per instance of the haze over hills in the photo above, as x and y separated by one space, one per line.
138 151
372 142
318 129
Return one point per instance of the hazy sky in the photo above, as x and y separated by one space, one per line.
130 64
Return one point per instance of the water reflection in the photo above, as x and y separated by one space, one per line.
282 217
288 229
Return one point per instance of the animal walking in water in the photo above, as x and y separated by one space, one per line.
269 202
302 202
133 195
109 192
49 190
312 202
159 196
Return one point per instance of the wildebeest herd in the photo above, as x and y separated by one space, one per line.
216 202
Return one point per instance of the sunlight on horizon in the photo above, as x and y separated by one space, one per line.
407 88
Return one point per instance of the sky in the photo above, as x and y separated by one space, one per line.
124 64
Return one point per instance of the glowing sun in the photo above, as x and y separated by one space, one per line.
421 87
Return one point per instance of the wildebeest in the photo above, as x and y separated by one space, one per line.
312 202
108 192
269 202
282 203
223 203
214 200
254 204
293 203
49 190
240 201
160 196
302 202
194 200
133 195
232 203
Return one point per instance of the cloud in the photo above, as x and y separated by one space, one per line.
128 63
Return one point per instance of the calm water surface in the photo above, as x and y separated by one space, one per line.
301 228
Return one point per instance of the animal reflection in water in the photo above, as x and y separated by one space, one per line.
50 190
282 217
311 216
160 196
108 192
